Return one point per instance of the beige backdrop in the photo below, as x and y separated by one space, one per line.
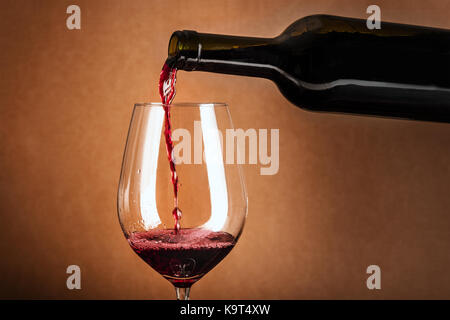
350 192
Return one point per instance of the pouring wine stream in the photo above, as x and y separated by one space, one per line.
167 80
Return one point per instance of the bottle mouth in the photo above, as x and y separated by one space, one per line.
182 42
173 44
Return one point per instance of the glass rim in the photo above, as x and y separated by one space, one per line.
181 104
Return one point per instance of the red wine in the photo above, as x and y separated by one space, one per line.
182 257
167 82
335 64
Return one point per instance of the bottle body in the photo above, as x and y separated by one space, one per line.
335 64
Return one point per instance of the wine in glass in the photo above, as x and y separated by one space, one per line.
207 192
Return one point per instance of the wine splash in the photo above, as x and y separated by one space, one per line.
183 257
167 80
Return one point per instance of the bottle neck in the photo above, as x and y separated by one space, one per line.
189 51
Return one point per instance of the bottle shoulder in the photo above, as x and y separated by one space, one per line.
323 24
320 23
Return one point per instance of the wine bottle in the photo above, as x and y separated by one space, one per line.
335 64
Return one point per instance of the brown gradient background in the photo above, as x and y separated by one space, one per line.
350 192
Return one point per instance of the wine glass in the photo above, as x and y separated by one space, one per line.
211 195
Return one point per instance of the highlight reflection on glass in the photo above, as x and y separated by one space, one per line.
212 194
215 169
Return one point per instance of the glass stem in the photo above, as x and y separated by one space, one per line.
182 293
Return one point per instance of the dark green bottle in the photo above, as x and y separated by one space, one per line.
335 64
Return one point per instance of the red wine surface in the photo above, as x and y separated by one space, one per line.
167 80
182 257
